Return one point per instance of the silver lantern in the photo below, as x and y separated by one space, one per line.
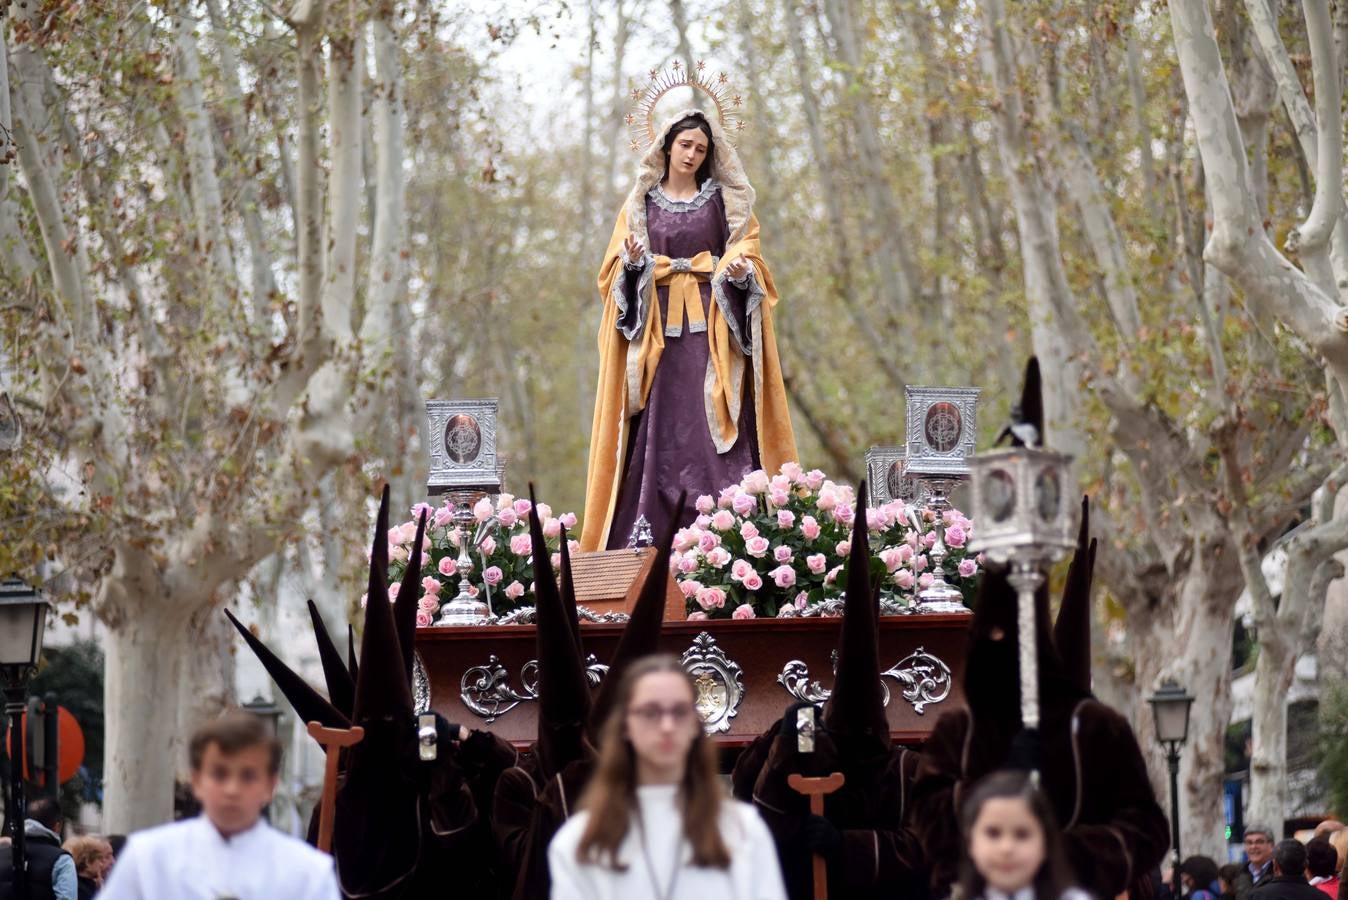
1025 522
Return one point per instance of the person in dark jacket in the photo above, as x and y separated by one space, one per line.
1259 868
51 871
1289 875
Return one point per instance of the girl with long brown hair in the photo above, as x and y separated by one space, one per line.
655 822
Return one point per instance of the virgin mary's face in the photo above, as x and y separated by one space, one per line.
688 151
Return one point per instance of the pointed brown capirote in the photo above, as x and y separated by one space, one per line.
382 690
641 637
409 595
341 686
563 692
1032 401
1072 628
569 594
308 704
857 706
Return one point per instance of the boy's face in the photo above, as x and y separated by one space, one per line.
233 788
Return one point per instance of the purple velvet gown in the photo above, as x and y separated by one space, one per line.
671 449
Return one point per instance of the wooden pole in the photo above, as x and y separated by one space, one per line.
816 789
332 740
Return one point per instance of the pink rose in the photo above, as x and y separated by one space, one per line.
724 520
399 554
454 537
743 504
827 499
556 560
551 527
791 469
674 559
697 617
814 479
743 611
514 590
954 536
430 585
393 590
843 548
919 563
688 564
718 557
522 507
428 603
925 581
483 510
690 587
573 547
928 540
445 566
727 496
785 519
905 553
443 516
891 558
508 517
844 513
757 546
705 504
521 544
783 576
711 598
876 520
780 482
741 569
748 531
488 546
544 511
904 579
708 541
419 508
816 562
781 554
802 599
832 575
967 568
779 498
752 582
503 500
493 575
809 527
910 537
423 619
756 482
568 520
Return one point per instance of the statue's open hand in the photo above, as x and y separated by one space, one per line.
738 268
632 246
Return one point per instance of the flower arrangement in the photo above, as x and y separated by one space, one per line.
770 541
503 560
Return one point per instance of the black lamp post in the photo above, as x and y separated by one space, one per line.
266 710
23 616
1170 707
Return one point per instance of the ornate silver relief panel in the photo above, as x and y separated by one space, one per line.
719 682
921 678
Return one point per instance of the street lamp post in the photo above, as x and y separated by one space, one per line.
23 616
1170 708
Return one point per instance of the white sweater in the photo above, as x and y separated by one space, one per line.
754 872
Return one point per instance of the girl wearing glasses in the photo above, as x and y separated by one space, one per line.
655 822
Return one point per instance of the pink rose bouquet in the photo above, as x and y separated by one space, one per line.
773 541
502 564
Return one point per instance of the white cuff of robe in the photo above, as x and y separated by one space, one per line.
628 264
743 282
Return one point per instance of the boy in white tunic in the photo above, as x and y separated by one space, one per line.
227 852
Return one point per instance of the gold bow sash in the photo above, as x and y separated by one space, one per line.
682 276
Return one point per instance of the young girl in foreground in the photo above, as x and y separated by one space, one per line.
655 823
1014 850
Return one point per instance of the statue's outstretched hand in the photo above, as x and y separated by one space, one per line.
738 268
632 246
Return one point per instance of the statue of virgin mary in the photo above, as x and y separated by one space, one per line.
690 394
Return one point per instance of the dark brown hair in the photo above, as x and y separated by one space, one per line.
611 795
233 731
1054 875
693 123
